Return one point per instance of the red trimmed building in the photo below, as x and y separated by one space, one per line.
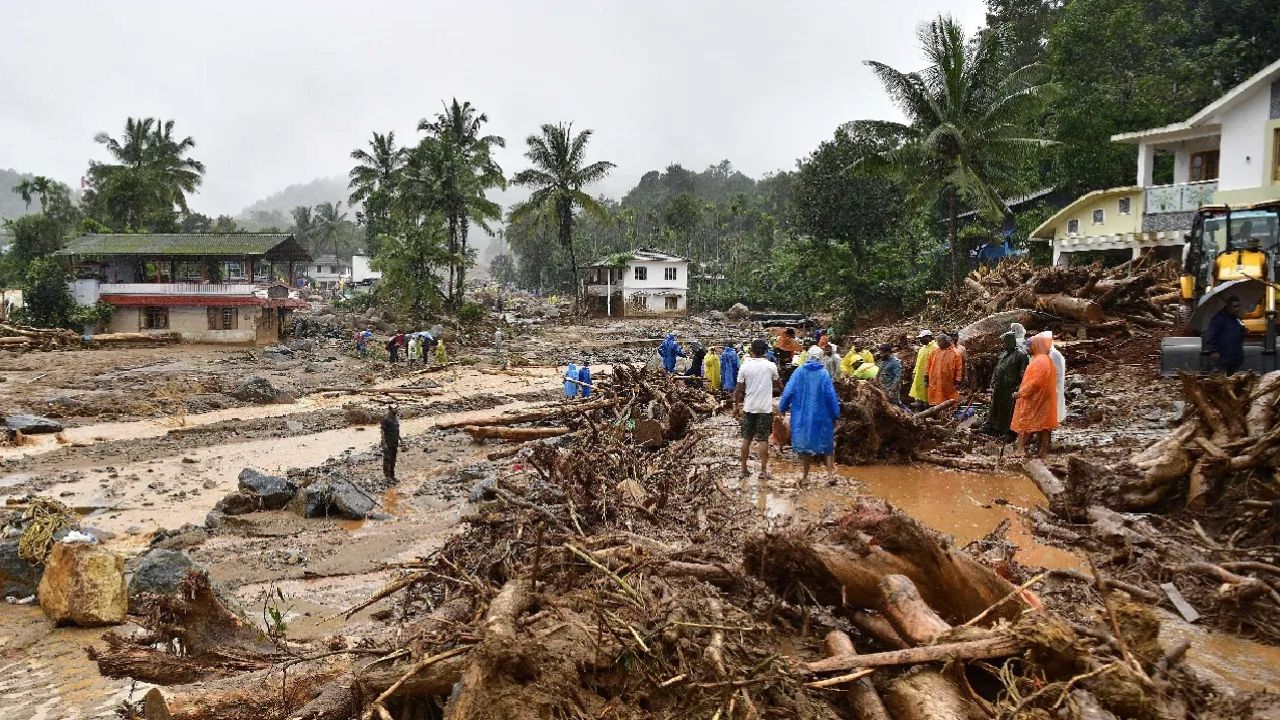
208 287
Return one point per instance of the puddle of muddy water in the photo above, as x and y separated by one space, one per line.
961 504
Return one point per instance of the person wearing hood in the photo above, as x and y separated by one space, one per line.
711 370
669 351
1035 411
584 377
1020 336
810 397
696 355
831 360
442 357
1004 385
390 428
944 372
1060 373
919 374
729 364
570 378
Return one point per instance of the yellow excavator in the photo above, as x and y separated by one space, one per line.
1232 252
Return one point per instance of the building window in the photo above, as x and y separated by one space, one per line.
234 270
224 318
1099 216
642 273
1275 155
670 273
153 318
673 303
1073 227
1204 166
1124 206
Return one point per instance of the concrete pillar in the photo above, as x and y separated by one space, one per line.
1146 164
1059 257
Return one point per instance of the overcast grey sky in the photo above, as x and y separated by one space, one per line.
277 93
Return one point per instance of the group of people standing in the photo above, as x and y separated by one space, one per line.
1028 389
414 347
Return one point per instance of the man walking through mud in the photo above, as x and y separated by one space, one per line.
390 443
753 405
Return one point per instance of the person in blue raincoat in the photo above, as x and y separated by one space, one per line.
729 368
669 351
584 376
570 388
810 396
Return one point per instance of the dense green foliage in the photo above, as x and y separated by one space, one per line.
46 297
146 188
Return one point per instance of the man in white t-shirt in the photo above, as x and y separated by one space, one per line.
753 404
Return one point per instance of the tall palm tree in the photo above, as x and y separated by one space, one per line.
560 171
329 218
26 190
31 187
967 137
304 224
374 177
465 170
152 174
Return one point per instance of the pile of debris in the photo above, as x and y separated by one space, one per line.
22 337
872 428
1212 484
615 575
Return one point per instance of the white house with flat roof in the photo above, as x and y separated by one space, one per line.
1227 153
642 283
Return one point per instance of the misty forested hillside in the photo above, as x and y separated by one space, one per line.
273 210
11 206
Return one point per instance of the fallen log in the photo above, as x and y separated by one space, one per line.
941 409
533 415
914 620
380 391
508 433
927 695
862 695
1069 307
996 646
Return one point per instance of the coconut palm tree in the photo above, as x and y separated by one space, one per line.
462 162
304 224
560 171
151 177
329 219
167 159
373 180
40 185
966 137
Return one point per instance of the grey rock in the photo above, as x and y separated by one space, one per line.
302 344
215 519
334 497
1179 410
237 503
738 312
1077 381
98 533
271 492
159 572
255 389
716 316
483 490
33 424
18 577
209 484
552 312
311 368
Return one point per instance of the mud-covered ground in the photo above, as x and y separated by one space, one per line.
154 439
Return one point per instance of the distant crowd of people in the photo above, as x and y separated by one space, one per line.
415 347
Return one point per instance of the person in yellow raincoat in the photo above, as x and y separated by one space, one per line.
441 356
919 387
866 371
852 359
711 370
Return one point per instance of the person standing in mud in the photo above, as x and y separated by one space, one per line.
1004 385
753 405
944 372
390 443
890 373
393 350
1035 410
919 374
811 398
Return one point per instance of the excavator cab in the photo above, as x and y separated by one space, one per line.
1231 252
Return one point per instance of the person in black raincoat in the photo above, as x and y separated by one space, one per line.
390 443
1004 383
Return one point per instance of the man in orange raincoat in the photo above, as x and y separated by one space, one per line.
1035 410
946 370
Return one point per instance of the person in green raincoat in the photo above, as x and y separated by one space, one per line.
1004 384
441 356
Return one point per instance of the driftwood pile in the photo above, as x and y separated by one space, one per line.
872 429
1214 486
21 337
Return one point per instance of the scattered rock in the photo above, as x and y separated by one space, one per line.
33 424
255 389
209 484
272 492
334 497
632 489
83 584
551 313
301 344
484 490
18 578
716 316
159 572
98 533
215 519
237 503
738 312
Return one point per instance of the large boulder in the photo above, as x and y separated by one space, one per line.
334 497
159 573
255 389
272 492
18 578
236 503
33 424
738 312
83 584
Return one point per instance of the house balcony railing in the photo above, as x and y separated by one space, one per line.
1179 197
175 289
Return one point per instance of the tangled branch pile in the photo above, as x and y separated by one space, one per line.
871 428
1135 292
1216 478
